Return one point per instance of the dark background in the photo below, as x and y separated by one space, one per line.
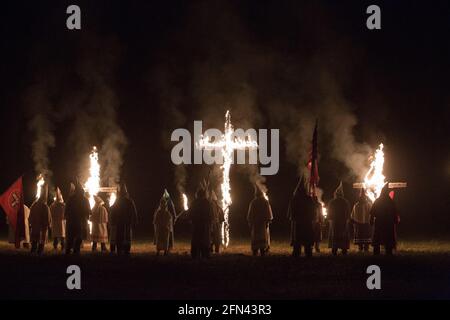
158 57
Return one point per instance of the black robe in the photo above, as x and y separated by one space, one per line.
202 216
339 215
259 217
123 220
302 214
384 214
77 214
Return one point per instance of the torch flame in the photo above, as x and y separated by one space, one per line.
374 180
92 185
39 184
185 202
112 198
324 209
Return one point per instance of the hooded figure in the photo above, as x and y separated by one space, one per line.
40 220
77 214
201 215
123 221
339 215
218 220
99 219
302 214
317 224
385 218
163 224
360 218
12 232
259 218
172 211
57 209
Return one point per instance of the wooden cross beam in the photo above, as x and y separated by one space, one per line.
391 185
108 189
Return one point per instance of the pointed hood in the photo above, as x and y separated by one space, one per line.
385 190
72 189
78 188
166 195
123 190
163 202
165 199
59 197
258 191
201 193
339 192
362 194
98 201
44 193
300 188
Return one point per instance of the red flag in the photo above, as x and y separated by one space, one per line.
312 164
12 203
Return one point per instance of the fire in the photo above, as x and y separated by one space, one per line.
265 196
185 202
112 198
324 209
227 144
39 184
92 185
374 180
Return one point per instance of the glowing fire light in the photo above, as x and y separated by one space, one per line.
374 180
227 144
324 209
92 185
265 196
112 198
39 184
185 202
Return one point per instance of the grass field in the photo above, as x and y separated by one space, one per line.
420 270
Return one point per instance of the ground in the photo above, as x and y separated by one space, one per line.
420 269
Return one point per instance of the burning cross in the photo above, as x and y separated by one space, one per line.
374 180
391 185
226 145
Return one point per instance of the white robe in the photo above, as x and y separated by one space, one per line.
58 219
99 220
163 223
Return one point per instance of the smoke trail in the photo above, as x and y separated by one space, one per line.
95 115
41 127
172 118
345 149
264 82
340 123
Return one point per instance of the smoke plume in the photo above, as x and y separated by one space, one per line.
41 127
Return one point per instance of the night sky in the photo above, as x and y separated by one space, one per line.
154 66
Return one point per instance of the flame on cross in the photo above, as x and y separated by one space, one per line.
374 180
92 185
227 144
185 202
39 184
